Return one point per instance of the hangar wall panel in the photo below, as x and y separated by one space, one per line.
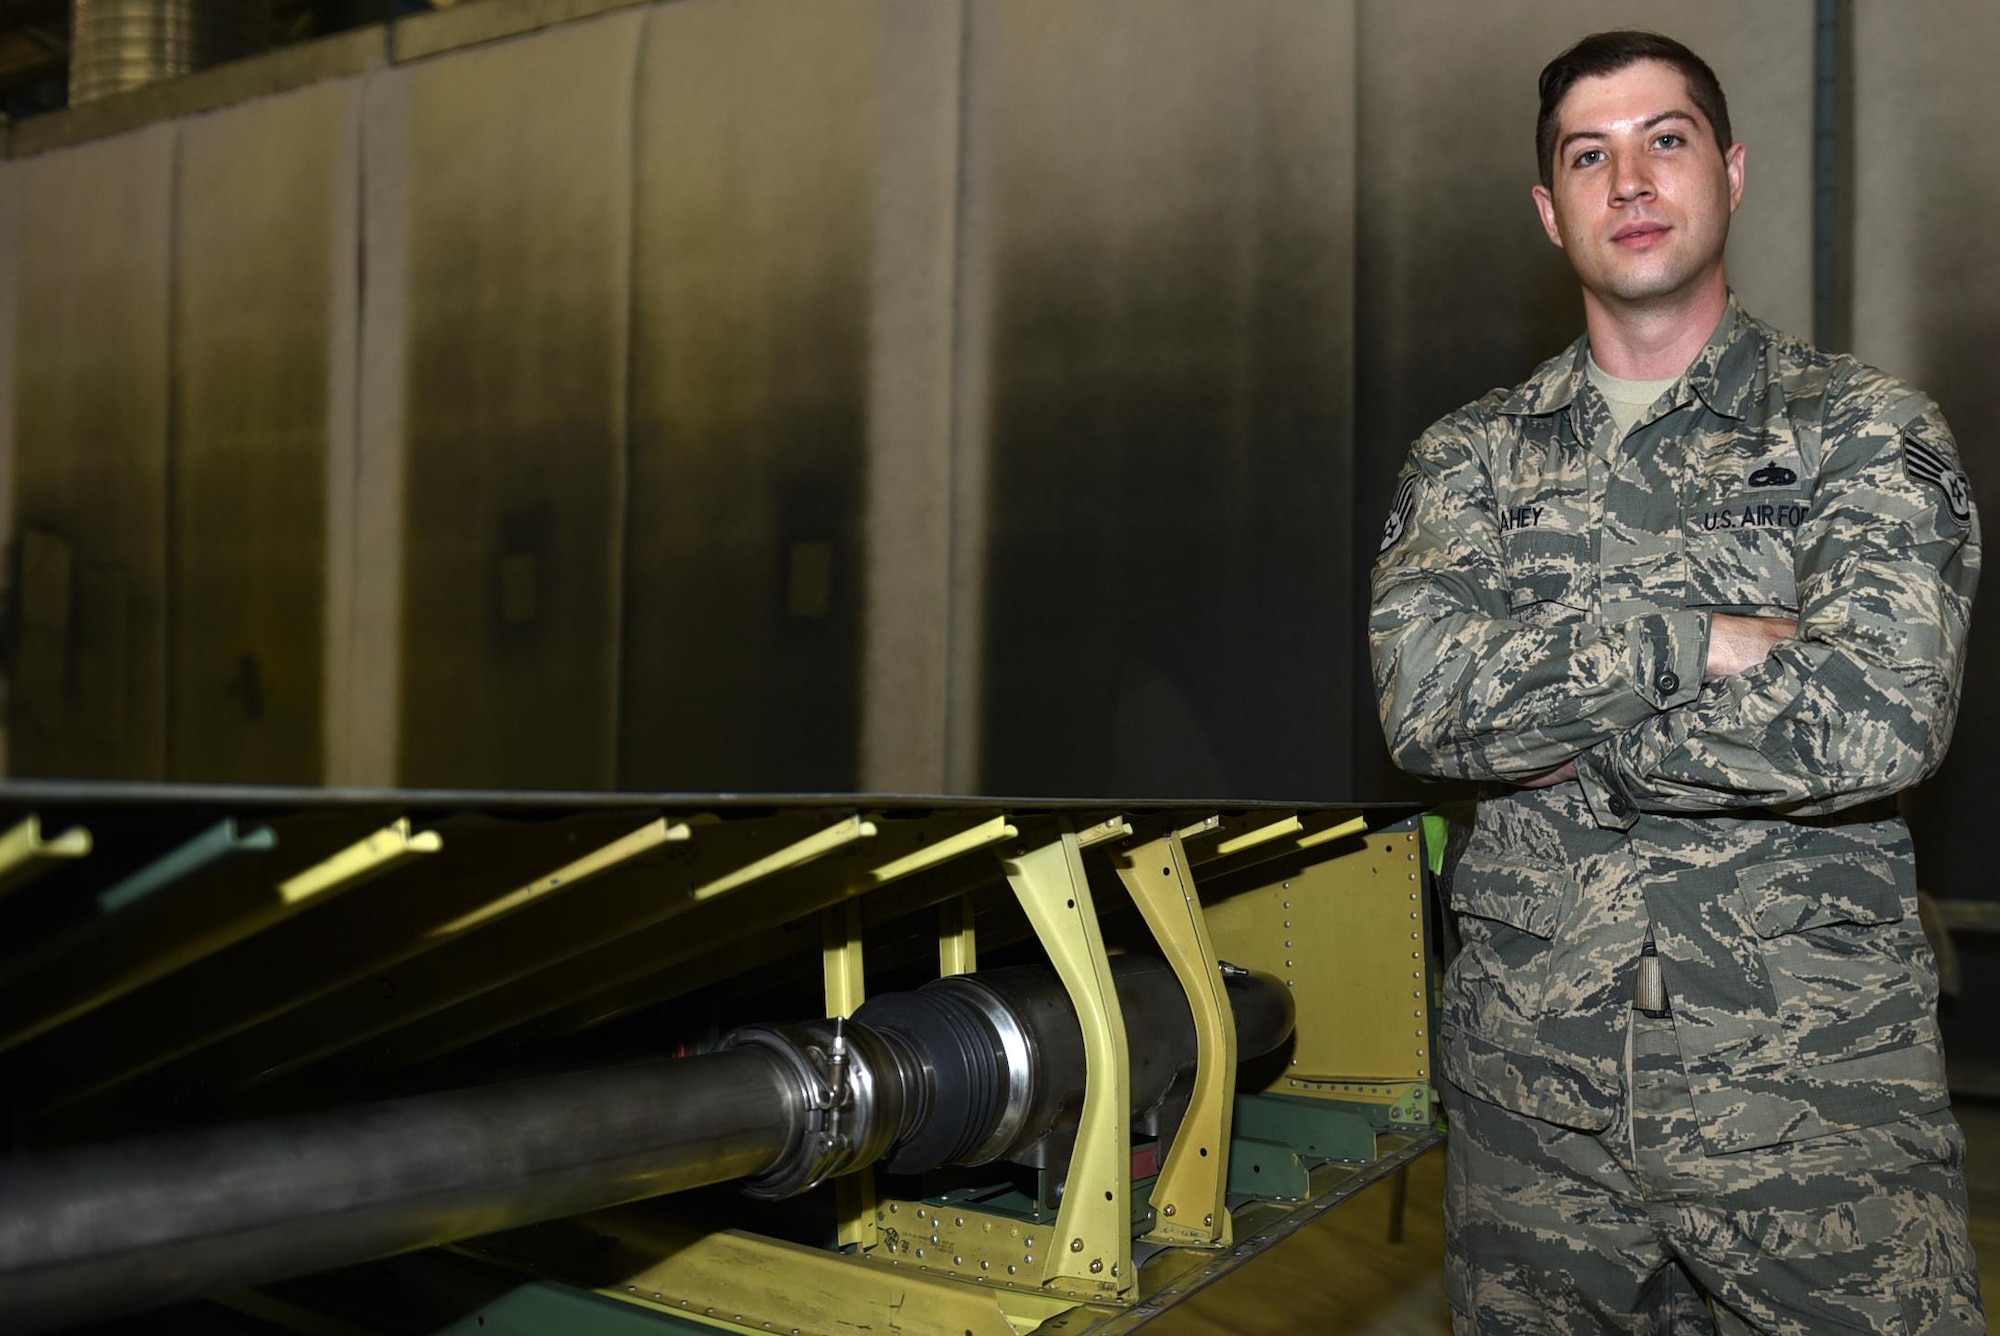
365 506
10 250
1927 307
517 210
91 375
264 309
766 153
1457 290
1159 272
912 456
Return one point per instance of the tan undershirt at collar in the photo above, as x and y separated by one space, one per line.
1628 400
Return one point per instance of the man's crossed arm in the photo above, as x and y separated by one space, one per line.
1688 711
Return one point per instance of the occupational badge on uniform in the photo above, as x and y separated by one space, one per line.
1773 474
1926 465
1400 514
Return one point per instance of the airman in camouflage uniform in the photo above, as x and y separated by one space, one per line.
1767 1146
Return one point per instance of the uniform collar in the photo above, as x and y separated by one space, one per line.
1725 375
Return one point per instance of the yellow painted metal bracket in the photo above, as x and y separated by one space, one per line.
741 1281
615 854
846 989
1343 926
1188 1194
975 1246
666 927
796 854
958 942
935 849
1091 1250
1243 841
1233 835
387 848
26 853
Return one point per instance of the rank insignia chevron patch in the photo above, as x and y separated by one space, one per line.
1926 465
1400 514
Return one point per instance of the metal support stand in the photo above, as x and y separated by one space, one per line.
1189 1192
1090 1254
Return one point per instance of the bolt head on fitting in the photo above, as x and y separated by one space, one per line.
1076 1245
1169 1209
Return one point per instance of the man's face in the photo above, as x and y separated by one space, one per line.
1642 192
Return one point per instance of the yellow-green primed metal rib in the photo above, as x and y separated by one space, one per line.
371 857
25 853
1091 1249
1188 1194
958 941
813 846
644 840
676 927
1236 835
1339 830
941 851
768 1285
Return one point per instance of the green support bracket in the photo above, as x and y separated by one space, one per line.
1268 1169
1416 1107
1314 1128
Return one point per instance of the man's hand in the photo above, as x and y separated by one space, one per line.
1567 770
1738 644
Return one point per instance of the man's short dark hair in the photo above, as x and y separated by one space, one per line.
1604 53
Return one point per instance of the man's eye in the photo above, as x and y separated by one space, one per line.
1587 157
1669 140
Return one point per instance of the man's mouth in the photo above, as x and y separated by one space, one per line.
1639 236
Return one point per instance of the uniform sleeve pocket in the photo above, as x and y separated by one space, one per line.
1821 892
1525 896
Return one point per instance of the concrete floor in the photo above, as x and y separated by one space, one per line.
1343 1277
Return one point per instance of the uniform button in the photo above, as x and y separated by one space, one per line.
1618 806
1668 683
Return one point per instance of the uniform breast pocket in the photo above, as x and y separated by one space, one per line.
1548 575
1742 551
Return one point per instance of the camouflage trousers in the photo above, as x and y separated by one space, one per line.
1637 1229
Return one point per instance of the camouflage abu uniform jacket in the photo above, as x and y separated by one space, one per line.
1544 592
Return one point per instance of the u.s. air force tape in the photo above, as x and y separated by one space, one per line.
1400 514
1926 465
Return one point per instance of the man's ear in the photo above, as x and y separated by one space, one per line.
1732 162
1545 205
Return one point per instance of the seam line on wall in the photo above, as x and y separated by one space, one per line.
954 719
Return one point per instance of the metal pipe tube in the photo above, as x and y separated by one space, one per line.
157 1220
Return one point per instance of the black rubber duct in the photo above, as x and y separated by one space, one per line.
1002 1053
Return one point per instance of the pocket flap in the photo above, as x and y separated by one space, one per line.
1521 895
1819 892
1545 566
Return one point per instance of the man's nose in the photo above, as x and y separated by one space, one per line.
1631 178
